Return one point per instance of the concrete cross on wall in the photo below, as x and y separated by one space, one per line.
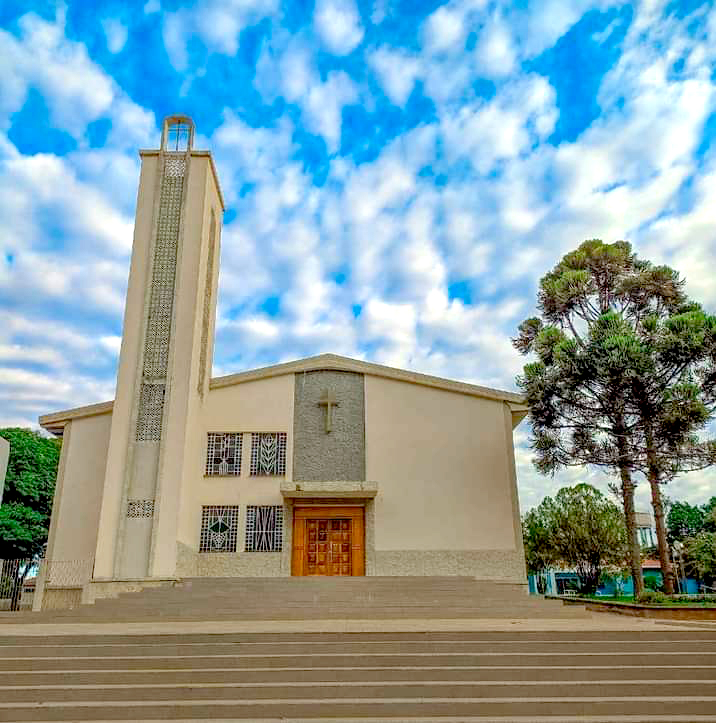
328 400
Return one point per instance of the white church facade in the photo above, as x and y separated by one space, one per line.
321 466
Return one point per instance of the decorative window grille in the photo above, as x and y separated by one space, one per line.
151 408
219 526
161 301
268 453
140 508
223 453
161 298
206 312
264 529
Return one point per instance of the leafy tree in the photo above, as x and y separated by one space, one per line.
710 515
579 528
674 398
701 553
540 553
29 489
684 521
624 377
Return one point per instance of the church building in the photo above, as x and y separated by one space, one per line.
320 466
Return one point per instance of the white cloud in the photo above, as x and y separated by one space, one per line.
75 89
218 23
380 11
445 29
338 25
687 240
47 184
397 71
251 155
175 31
152 6
324 104
289 71
116 33
495 52
540 25
505 35
393 324
505 127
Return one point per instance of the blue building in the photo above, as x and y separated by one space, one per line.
559 581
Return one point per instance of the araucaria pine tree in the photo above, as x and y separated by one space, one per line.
625 375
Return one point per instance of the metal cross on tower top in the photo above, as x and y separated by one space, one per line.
328 400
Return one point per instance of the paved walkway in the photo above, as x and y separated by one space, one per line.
593 622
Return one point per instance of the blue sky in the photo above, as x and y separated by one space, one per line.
398 175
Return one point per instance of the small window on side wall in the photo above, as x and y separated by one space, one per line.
223 454
219 528
264 528
268 454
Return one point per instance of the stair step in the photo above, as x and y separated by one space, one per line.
685 706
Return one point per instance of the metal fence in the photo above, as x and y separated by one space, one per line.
13 574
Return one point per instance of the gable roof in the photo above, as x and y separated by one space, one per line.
332 362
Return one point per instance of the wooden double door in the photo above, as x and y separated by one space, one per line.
328 541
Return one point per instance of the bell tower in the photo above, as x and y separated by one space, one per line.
165 358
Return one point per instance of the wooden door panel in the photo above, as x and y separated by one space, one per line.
328 541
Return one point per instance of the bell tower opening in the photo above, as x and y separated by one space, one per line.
178 134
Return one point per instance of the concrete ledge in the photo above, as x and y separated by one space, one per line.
99 588
599 623
339 488
638 610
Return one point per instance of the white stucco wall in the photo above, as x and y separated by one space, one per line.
264 405
4 455
441 461
75 515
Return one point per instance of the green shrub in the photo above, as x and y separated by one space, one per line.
653 596
694 598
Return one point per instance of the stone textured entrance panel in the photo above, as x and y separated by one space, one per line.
339 454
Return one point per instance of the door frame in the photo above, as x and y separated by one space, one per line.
356 513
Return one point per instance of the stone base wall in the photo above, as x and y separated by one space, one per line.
61 598
498 565
239 564
186 561
228 564
100 589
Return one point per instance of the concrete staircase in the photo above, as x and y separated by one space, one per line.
499 676
513 659
320 598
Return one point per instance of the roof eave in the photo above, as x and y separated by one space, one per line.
341 363
55 422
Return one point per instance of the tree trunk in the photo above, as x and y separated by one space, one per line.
658 505
632 538
627 488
